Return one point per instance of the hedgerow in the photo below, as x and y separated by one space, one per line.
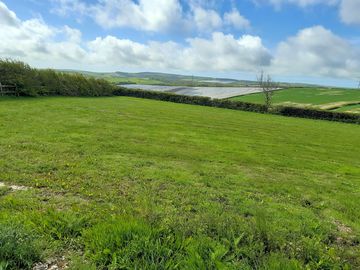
37 82
318 114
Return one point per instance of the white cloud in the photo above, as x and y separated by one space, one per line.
65 7
220 53
34 41
225 53
154 15
350 11
124 53
206 20
235 19
313 51
316 51
7 17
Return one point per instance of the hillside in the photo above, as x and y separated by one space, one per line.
157 78
131 183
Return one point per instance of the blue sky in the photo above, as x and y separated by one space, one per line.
315 41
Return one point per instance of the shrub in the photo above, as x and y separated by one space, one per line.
36 82
318 114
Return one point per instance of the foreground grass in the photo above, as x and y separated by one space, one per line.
312 97
124 183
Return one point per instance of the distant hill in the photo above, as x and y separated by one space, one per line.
157 78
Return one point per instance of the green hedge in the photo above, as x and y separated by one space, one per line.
195 100
37 82
239 105
318 114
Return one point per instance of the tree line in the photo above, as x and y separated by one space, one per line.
46 82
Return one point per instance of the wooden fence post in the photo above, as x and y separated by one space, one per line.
1 89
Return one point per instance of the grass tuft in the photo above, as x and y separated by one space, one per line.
20 247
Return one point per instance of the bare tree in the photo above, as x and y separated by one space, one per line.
268 86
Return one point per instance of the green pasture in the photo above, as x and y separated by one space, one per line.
127 183
308 97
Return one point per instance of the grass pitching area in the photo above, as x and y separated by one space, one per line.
344 100
127 183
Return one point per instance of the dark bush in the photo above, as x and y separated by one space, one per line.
318 114
37 82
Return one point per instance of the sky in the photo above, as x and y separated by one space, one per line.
310 41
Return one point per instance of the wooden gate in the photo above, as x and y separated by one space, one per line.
6 90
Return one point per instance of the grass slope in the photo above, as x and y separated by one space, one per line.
307 96
124 183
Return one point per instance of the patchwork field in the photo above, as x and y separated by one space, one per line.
126 183
212 92
321 98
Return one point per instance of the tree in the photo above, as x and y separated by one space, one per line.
267 86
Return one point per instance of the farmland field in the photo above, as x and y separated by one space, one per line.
350 108
124 183
212 92
308 97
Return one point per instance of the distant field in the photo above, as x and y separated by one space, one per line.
311 97
126 183
350 108
212 92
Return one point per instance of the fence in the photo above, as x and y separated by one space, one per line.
8 90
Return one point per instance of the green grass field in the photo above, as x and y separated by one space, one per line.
126 183
350 108
308 97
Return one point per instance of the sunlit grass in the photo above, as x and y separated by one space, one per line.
123 181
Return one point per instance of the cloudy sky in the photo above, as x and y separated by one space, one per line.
294 40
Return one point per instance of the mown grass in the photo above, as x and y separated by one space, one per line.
124 183
306 96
